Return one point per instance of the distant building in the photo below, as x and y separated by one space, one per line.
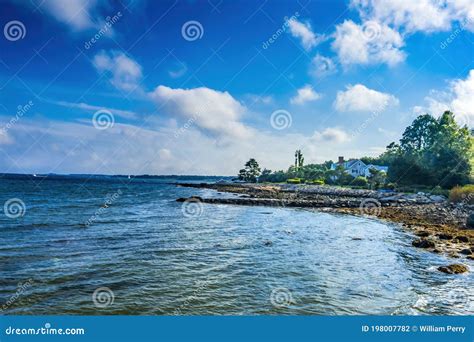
356 167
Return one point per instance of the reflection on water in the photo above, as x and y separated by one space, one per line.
158 258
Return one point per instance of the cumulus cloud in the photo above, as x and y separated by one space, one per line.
322 66
458 98
305 94
368 43
331 134
359 98
214 111
414 16
125 73
68 147
304 33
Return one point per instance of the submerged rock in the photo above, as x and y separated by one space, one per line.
423 243
268 243
466 251
453 269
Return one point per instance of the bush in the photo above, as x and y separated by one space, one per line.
462 194
318 182
293 180
359 181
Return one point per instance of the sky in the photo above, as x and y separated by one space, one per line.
199 87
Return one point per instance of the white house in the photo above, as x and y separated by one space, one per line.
356 167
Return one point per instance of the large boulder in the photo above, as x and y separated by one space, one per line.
423 243
454 269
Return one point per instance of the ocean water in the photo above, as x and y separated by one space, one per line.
145 254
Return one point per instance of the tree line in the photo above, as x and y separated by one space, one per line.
431 152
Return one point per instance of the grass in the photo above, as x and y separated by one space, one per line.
462 194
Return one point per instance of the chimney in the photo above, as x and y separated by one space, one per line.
341 160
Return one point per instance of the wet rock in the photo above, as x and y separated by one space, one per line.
423 243
461 239
356 238
268 243
466 251
454 269
471 257
422 233
444 236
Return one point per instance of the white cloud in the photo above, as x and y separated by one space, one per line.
305 94
179 71
125 72
126 149
87 107
304 33
332 134
322 66
214 111
458 98
419 15
368 43
359 98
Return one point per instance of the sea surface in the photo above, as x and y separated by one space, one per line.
113 245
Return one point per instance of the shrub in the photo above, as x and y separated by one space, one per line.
462 194
318 182
390 186
359 181
293 181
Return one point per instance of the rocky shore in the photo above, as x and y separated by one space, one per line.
439 225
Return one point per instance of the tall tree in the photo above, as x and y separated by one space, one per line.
299 160
251 171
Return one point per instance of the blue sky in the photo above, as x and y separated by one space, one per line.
199 87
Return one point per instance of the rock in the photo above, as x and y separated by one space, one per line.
454 255
471 257
268 243
470 221
444 236
356 238
454 269
423 243
422 233
461 239
466 251
437 199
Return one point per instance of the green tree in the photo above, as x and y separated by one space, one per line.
299 160
251 171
